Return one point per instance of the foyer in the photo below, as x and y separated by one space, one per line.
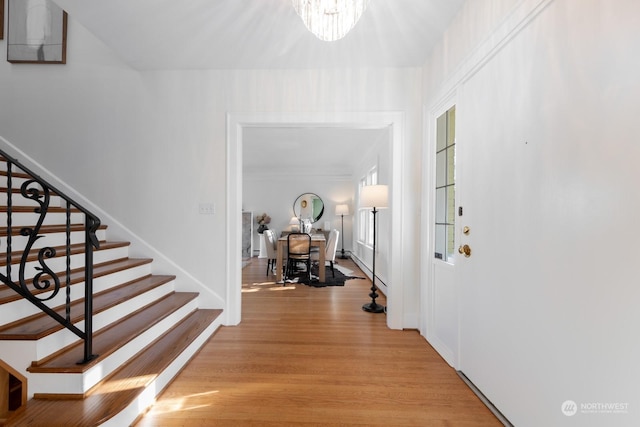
310 356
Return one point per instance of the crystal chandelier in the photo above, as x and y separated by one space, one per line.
330 20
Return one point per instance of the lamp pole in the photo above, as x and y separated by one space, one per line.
342 210
373 306
375 197
342 256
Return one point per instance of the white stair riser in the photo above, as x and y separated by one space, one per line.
147 398
72 383
19 309
19 200
60 339
16 182
59 263
16 310
110 280
29 219
18 243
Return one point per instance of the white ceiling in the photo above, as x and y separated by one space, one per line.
238 34
267 34
306 150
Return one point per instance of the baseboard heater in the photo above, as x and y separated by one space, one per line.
484 400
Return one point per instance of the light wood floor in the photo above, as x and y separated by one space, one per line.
311 356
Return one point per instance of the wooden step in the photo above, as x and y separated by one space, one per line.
7 294
31 209
120 390
110 339
16 174
41 325
48 229
60 251
16 190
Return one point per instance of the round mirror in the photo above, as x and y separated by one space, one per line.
308 206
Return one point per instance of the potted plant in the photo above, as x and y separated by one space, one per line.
262 221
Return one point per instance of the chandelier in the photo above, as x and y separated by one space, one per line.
330 20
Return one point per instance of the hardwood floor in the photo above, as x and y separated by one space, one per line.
311 356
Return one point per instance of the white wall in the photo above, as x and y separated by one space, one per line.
275 196
149 147
547 154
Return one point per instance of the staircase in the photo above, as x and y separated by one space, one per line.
144 331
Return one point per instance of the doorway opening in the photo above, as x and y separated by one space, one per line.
237 123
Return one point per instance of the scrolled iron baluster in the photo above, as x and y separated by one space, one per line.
45 284
40 281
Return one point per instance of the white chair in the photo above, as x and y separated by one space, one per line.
329 252
270 244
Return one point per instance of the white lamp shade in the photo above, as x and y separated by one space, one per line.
342 210
294 221
374 196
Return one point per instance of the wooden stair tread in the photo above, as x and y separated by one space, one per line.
77 248
111 338
105 400
41 325
7 294
15 190
32 208
47 229
16 174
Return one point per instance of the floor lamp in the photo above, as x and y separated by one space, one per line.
341 211
376 197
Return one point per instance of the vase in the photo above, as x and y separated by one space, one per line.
261 228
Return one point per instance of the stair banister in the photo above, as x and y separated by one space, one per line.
46 284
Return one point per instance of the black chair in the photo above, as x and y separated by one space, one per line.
298 251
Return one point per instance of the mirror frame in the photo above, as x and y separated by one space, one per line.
298 205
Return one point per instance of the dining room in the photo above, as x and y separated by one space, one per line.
284 164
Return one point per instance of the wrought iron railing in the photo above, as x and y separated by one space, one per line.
38 282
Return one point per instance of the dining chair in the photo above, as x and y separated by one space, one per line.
298 250
271 249
330 251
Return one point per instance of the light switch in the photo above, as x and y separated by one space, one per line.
207 208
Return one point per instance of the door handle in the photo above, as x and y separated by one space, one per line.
466 250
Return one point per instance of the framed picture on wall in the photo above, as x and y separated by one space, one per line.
36 32
1 19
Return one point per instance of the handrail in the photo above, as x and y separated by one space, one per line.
43 284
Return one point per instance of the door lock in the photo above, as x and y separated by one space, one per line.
466 250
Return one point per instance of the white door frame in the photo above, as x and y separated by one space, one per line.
236 122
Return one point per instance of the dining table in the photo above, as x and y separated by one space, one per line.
317 240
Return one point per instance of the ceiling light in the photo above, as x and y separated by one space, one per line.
330 20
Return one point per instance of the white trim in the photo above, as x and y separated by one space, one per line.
361 120
519 17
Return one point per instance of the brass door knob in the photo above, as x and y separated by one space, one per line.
466 250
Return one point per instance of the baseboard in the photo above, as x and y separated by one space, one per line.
484 400
382 287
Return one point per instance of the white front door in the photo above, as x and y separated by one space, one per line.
442 323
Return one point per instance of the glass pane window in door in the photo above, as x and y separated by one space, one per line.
445 186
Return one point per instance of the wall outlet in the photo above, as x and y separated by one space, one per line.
207 209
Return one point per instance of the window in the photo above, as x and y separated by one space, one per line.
365 218
445 185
